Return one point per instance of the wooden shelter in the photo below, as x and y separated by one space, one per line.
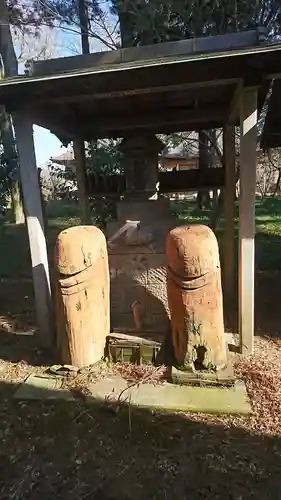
195 84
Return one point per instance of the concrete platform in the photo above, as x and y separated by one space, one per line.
42 388
169 397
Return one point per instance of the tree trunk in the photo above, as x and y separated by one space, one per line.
10 68
10 158
277 185
125 23
217 208
43 203
17 206
83 17
7 50
216 211
215 196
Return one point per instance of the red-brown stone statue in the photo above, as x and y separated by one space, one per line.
195 298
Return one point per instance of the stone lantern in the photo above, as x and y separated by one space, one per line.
137 241
140 161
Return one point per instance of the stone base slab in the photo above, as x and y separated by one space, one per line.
204 378
43 388
168 397
164 397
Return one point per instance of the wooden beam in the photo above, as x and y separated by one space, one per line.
93 95
171 116
112 84
191 180
169 182
52 119
172 120
89 134
78 125
229 199
246 264
141 339
35 226
233 114
80 162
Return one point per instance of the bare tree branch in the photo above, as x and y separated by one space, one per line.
73 26
44 46
269 155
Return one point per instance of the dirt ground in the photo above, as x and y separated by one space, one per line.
74 451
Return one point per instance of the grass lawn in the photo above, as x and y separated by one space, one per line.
74 451
268 229
14 248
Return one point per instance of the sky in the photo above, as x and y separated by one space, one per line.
47 144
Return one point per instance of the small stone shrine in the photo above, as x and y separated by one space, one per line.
136 242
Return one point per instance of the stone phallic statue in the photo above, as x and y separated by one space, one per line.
195 298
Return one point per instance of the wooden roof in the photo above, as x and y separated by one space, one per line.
66 158
170 87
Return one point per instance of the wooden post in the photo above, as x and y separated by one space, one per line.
246 269
79 145
35 226
229 199
80 161
203 195
39 170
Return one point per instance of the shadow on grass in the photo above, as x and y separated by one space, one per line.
17 347
268 251
75 450
15 259
267 262
267 304
267 287
14 245
14 251
270 204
